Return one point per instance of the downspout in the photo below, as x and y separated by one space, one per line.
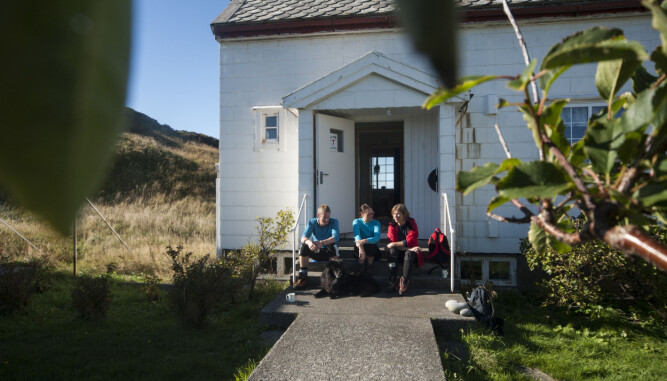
315 171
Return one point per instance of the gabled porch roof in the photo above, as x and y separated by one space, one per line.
372 64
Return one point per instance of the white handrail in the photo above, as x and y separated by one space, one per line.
452 241
303 207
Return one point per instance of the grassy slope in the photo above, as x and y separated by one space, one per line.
160 191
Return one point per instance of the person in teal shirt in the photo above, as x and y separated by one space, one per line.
366 237
318 242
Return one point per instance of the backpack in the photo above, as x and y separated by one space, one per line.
438 249
481 305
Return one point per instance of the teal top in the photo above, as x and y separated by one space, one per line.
370 230
322 232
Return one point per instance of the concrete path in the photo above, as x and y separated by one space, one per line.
383 337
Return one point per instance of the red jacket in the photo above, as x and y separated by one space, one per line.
410 239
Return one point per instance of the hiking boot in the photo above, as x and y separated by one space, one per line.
391 287
403 286
301 283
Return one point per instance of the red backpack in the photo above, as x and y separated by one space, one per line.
438 249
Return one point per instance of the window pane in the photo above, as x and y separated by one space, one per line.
471 270
499 270
271 133
271 121
382 172
580 114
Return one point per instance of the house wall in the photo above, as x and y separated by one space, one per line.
494 49
259 72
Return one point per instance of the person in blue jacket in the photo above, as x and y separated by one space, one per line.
366 237
318 242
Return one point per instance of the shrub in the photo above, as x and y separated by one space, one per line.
592 274
198 285
91 296
151 287
257 257
19 280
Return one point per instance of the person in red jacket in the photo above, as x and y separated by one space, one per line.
402 246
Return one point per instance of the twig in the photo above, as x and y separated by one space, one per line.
502 141
114 232
513 220
524 49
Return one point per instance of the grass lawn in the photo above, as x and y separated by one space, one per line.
566 347
138 339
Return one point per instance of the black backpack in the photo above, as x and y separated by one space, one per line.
481 305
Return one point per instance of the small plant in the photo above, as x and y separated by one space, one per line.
112 267
151 287
91 296
198 285
18 281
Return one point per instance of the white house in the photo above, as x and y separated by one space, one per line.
323 98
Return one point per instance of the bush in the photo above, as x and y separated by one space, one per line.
151 287
198 285
19 280
91 296
592 275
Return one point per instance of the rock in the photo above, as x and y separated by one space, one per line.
466 312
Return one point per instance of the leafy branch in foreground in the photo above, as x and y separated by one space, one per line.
616 175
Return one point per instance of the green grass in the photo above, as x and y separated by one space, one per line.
566 347
138 339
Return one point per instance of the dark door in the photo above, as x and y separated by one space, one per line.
380 147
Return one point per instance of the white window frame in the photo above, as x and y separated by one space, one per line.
261 142
589 110
512 282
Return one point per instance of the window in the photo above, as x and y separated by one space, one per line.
382 172
270 127
501 271
576 120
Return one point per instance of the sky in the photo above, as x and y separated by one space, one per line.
174 66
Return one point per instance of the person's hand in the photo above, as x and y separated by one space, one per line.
313 246
416 249
362 254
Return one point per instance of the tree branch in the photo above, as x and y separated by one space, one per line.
631 240
524 49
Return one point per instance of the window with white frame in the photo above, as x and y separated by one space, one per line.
479 270
576 118
270 127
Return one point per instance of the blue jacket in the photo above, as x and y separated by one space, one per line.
322 232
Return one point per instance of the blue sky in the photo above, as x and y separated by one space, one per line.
174 69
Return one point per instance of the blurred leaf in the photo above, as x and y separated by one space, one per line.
547 79
466 83
520 83
577 154
467 182
652 194
433 25
62 90
660 58
642 79
603 139
554 126
659 20
612 75
537 238
497 201
531 123
628 151
593 45
535 178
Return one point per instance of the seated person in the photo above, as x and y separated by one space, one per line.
366 237
318 242
403 247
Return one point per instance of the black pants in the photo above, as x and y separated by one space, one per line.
371 249
323 255
407 257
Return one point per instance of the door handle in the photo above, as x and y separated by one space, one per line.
322 174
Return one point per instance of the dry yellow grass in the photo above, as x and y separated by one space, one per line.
148 218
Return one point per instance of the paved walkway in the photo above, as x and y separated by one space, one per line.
381 337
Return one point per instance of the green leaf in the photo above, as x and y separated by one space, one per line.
659 57
531 123
497 201
520 83
433 26
603 139
593 45
659 20
533 179
467 182
553 125
612 75
628 151
537 238
577 154
466 83
652 194
62 91
502 102
547 79
642 79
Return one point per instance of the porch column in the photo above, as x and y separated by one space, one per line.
306 163
447 159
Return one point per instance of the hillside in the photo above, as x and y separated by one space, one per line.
154 158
